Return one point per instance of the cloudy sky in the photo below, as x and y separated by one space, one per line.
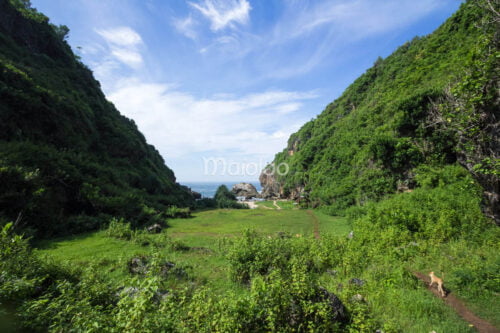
232 79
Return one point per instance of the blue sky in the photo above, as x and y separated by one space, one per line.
232 79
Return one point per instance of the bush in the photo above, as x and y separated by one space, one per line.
223 194
175 212
447 206
206 203
120 229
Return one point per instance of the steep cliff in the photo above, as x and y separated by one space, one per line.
433 102
68 158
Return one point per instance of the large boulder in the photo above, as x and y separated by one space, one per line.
245 190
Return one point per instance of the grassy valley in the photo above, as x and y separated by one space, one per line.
196 240
396 178
221 258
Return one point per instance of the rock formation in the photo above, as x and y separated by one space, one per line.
245 190
271 188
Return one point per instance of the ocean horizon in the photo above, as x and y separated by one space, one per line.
208 189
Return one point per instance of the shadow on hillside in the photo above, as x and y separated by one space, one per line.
53 243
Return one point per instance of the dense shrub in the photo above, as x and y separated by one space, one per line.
120 229
206 203
446 206
175 212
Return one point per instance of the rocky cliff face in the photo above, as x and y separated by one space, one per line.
271 188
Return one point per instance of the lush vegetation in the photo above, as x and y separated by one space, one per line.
209 273
433 102
68 159
69 162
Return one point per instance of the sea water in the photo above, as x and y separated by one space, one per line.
208 189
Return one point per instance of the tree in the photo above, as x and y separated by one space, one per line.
62 31
224 194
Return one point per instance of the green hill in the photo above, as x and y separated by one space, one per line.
68 158
433 102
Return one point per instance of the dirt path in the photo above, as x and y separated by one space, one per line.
481 325
276 205
315 223
251 204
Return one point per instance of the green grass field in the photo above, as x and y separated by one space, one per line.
199 252
201 233
283 204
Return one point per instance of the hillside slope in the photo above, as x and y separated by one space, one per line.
433 102
68 159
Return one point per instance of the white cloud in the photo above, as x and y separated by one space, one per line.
303 37
287 108
130 57
332 25
122 36
105 69
179 124
186 26
357 19
224 13
314 30
123 44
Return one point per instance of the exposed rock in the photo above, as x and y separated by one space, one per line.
357 282
245 190
332 272
154 229
338 309
127 291
271 188
169 269
133 292
357 298
166 268
162 295
282 234
138 265
196 195
293 145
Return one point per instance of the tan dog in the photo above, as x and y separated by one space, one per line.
438 282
